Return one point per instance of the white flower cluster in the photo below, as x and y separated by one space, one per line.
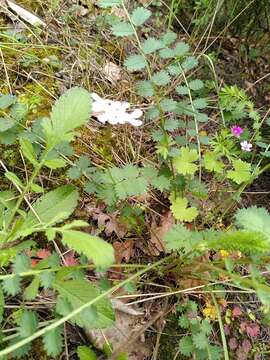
114 112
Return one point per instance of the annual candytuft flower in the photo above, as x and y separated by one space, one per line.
114 112
245 145
236 130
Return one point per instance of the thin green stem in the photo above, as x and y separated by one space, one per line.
77 311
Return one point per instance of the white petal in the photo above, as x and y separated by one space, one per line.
96 97
136 113
135 122
103 118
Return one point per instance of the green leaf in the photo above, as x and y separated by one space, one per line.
6 124
135 63
241 172
28 150
200 103
152 113
145 88
6 101
254 219
55 163
18 111
46 279
166 53
85 353
161 78
79 292
131 187
109 3
168 105
168 38
69 112
21 264
161 183
181 212
53 342
195 85
93 247
31 291
200 340
184 163
122 29
151 45
140 15
186 347
190 63
174 69
211 162
37 189
53 207
181 49
28 323
182 90
11 286
14 179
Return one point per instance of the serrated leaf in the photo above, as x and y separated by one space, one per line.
46 279
161 78
21 264
109 3
200 103
254 219
182 90
79 292
140 15
145 88
186 347
151 45
189 63
211 162
161 183
181 49
195 85
200 340
184 163
28 150
6 124
11 286
31 291
94 248
55 163
168 105
85 353
6 101
168 38
241 172
166 53
28 323
51 208
122 29
174 69
135 63
53 341
131 187
181 211
152 113
69 112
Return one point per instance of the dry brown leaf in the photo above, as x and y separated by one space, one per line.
158 232
112 72
123 251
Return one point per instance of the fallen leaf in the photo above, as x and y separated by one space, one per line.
158 232
123 250
112 72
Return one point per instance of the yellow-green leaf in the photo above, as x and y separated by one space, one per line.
181 211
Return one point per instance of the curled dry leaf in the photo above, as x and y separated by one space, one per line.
123 251
112 72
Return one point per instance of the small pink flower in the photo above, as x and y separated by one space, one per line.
236 130
245 145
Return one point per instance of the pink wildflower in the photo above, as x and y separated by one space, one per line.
236 131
